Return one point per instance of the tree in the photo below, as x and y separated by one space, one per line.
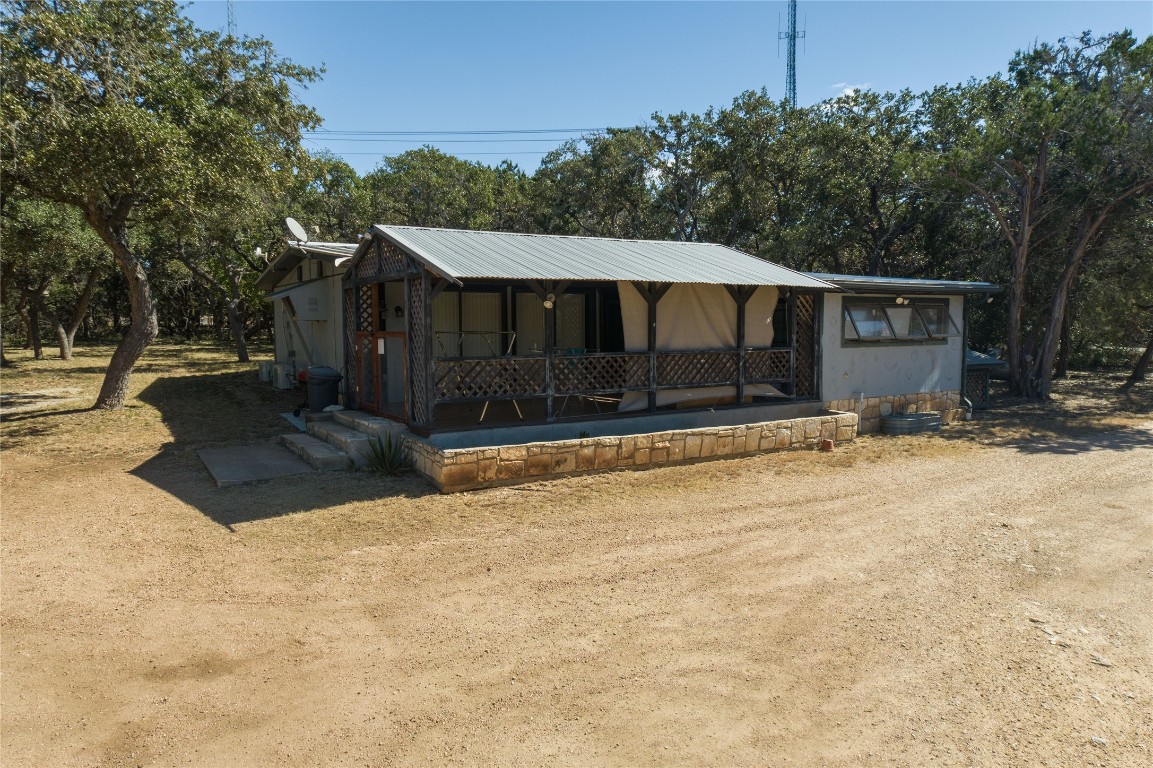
1053 154
683 175
600 185
52 263
130 114
427 188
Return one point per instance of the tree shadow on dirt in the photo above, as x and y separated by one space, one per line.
180 473
237 409
1088 412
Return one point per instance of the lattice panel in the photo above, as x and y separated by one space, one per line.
420 348
977 388
685 369
577 374
489 378
765 365
393 261
367 266
365 372
382 261
806 345
350 359
364 309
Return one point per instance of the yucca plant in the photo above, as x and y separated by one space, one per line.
389 456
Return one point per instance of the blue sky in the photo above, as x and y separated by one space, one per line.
501 66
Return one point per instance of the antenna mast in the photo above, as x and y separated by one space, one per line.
232 19
791 48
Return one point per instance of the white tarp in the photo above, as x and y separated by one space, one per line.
691 317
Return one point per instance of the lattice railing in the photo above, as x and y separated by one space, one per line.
488 378
697 369
594 373
768 365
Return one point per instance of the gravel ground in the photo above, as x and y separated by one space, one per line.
932 600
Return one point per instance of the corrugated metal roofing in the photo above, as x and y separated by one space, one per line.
295 253
905 284
470 255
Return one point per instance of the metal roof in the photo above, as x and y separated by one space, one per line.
296 252
469 255
866 284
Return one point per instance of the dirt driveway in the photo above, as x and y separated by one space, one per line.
976 598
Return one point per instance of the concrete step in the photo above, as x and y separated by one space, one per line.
367 423
347 439
315 451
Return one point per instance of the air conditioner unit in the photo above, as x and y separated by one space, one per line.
283 376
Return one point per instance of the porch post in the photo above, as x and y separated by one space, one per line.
652 293
741 295
542 290
792 310
549 352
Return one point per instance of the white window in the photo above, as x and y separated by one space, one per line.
866 320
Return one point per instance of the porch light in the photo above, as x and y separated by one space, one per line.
399 311
549 301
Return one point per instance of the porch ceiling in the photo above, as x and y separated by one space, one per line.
469 255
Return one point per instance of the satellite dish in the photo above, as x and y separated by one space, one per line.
297 231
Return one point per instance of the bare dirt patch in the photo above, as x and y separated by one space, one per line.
979 597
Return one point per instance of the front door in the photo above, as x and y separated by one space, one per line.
381 359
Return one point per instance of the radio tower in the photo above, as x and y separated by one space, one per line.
791 53
232 19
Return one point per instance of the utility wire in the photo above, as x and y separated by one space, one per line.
327 132
442 141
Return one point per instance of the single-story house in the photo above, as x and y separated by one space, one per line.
305 288
466 341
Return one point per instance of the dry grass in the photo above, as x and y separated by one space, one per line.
182 396
186 396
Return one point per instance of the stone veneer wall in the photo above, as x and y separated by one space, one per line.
462 469
947 403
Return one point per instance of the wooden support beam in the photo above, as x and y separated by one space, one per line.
741 295
652 293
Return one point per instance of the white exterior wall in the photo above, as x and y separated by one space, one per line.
324 338
879 369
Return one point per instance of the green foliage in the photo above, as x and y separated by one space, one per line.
389 457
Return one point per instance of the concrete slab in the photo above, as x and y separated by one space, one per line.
241 464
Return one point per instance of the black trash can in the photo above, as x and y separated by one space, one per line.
323 387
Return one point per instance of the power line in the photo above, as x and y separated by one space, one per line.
469 154
326 132
440 141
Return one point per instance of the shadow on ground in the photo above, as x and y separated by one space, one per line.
1088 412
178 472
236 409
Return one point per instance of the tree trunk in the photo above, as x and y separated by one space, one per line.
34 341
235 319
1062 369
1029 192
66 334
1140 369
142 302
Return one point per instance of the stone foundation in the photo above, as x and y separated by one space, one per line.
947 403
463 469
